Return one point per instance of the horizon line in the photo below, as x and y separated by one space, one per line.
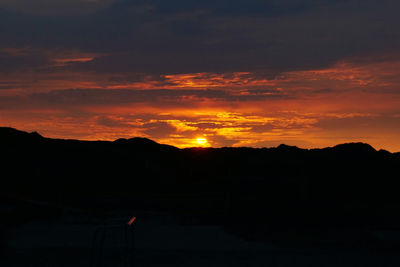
194 147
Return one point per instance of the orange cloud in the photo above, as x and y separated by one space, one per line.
64 61
211 80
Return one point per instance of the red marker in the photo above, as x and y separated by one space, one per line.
131 220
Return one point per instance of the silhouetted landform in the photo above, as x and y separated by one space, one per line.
282 194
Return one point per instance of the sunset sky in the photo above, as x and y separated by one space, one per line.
311 73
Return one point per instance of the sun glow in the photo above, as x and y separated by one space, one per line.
201 141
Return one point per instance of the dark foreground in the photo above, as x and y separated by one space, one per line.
275 257
163 241
284 206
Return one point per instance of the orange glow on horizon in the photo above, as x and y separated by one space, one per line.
310 108
201 141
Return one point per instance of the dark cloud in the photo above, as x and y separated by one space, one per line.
71 98
158 129
111 122
222 141
213 36
367 125
21 61
52 8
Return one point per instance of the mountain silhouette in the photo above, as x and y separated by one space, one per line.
12 136
249 190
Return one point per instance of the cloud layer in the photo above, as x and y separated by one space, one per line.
253 73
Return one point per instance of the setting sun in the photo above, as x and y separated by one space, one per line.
202 141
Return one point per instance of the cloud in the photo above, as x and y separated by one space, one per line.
41 61
77 98
54 8
166 37
158 130
19 60
112 122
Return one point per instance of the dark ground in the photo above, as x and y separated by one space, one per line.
163 241
284 206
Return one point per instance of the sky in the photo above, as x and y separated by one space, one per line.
311 73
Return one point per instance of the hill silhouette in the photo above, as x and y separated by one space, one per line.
249 190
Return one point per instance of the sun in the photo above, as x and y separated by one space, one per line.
201 141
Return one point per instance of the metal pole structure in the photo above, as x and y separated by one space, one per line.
129 243
98 243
